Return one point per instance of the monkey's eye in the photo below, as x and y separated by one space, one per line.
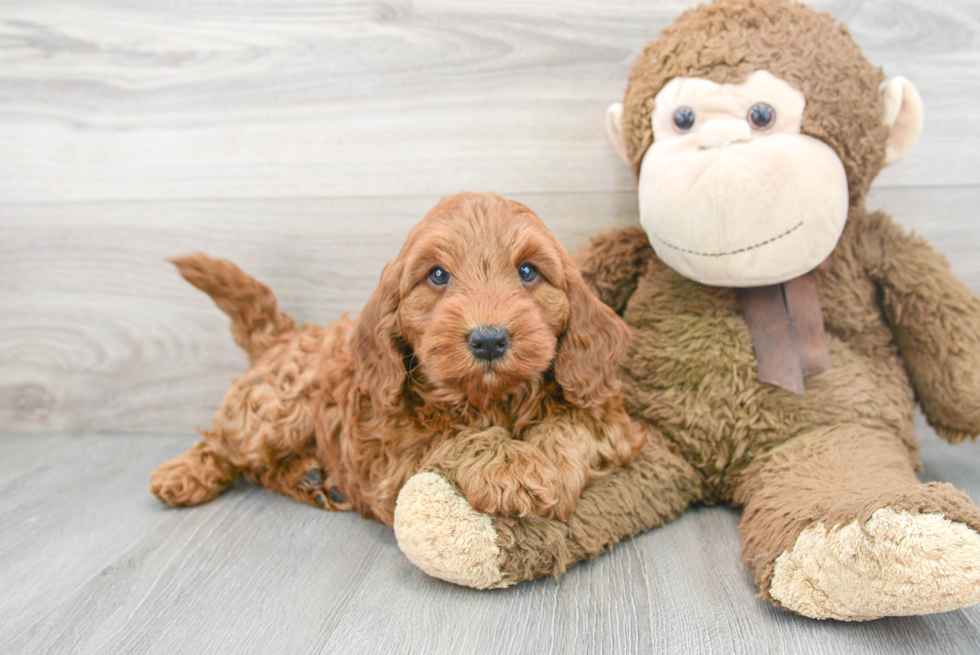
684 119
761 116
527 273
438 276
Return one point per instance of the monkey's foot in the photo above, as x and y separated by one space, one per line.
441 533
900 564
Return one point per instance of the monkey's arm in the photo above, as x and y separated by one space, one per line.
936 321
612 264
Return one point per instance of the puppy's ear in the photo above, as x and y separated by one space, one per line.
591 348
379 366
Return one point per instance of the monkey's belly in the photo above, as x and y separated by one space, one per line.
691 372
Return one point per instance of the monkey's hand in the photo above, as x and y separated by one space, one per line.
936 321
612 264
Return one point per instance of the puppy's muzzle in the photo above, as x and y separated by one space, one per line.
488 342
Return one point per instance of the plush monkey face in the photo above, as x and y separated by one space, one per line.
731 193
743 179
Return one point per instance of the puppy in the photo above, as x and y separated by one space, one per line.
481 355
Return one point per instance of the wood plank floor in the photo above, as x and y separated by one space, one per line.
90 563
303 138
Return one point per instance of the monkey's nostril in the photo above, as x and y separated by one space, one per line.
488 342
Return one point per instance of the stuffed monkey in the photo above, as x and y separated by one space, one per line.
781 333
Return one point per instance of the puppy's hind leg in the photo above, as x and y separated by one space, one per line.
302 479
195 477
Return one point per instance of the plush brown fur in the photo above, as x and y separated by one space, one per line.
341 417
899 326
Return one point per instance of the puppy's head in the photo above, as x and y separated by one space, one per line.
483 298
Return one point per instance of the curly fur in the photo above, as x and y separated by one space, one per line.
341 417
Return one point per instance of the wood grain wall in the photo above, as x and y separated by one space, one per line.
303 138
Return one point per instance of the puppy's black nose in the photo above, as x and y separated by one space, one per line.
488 342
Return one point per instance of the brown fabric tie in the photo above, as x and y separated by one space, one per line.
786 324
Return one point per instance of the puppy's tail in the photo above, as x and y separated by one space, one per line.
255 317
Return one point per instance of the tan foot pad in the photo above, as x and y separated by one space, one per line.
904 564
444 536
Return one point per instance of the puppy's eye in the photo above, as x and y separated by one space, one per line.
684 119
527 272
762 116
438 276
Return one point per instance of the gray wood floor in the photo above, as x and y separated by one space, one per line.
303 139
90 563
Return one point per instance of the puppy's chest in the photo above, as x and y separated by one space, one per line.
514 417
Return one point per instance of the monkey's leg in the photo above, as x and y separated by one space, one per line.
444 536
836 525
195 477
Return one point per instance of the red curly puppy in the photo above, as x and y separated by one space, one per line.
481 355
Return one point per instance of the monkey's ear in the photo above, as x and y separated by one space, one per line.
903 116
614 129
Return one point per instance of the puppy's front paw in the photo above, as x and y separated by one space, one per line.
564 505
514 479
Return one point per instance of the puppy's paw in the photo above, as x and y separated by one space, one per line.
516 480
564 505
180 485
315 488
444 536
897 564
195 477
310 488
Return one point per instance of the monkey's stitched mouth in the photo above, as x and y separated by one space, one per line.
730 252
